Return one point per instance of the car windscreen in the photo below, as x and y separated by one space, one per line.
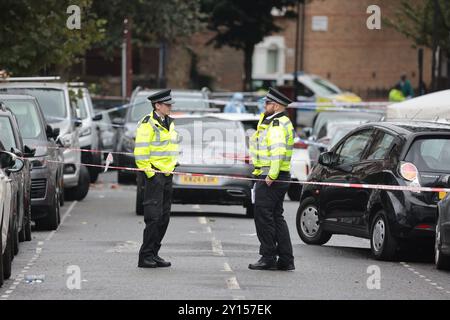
27 116
320 125
7 134
430 154
208 131
320 86
80 107
51 101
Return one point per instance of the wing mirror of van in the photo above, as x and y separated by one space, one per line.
327 159
97 117
118 121
78 123
29 152
52 132
10 162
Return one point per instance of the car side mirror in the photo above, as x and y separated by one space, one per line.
17 166
7 159
118 121
97 117
307 132
17 152
29 152
78 123
327 159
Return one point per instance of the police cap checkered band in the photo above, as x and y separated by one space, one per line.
277 97
161 97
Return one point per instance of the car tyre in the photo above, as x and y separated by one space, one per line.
8 255
1 258
294 191
25 233
51 221
383 244
15 240
308 223
441 260
61 190
93 174
79 192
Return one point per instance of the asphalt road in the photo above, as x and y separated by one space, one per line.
210 248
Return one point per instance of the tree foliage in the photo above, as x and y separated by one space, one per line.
34 34
152 20
243 24
416 21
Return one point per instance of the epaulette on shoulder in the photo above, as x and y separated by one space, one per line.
145 120
276 123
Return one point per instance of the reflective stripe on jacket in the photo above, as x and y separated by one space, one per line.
271 146
155 146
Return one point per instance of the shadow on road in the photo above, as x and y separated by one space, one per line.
209 214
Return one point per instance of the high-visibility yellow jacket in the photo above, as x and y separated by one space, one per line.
271 146
396 96
155 146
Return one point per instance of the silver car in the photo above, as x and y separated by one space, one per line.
210 146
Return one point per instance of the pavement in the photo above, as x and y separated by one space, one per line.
94 253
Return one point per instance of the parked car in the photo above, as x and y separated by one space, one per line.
9 165
141 106
442 241
59 112
218 152
47 184
385 153
312 88
300 162
89 130
335 130
12 141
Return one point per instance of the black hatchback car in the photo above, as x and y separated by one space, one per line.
442 242
399 154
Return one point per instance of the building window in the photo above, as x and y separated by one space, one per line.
272 60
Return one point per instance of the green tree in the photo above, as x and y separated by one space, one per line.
35 38
243 24
426 22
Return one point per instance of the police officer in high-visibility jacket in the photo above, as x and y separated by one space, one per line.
156 149
271 149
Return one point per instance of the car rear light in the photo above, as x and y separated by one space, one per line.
425 226
409 171
300 145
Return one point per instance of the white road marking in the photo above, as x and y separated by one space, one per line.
196 207
434 284
226 267
208 229
233 284
21 275
202 220
217 247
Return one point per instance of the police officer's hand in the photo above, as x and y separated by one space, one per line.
269 181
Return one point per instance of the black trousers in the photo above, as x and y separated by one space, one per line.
157 203
271 228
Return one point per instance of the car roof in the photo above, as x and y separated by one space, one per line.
50 85
412 127
16 97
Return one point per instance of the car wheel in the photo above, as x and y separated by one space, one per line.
8 255
250 210
93 174
308 223
15 241
383 244
1 258
441 260
81 190
25 233
294 191
51 221
61 190
140 194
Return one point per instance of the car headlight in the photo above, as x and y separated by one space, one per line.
128 144
85 132
39 162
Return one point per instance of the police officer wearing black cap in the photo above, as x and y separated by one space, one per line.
156 153
271 148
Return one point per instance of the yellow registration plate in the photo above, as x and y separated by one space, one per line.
199 180
442 195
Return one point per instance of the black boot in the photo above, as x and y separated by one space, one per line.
161 262
147 263
264 264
